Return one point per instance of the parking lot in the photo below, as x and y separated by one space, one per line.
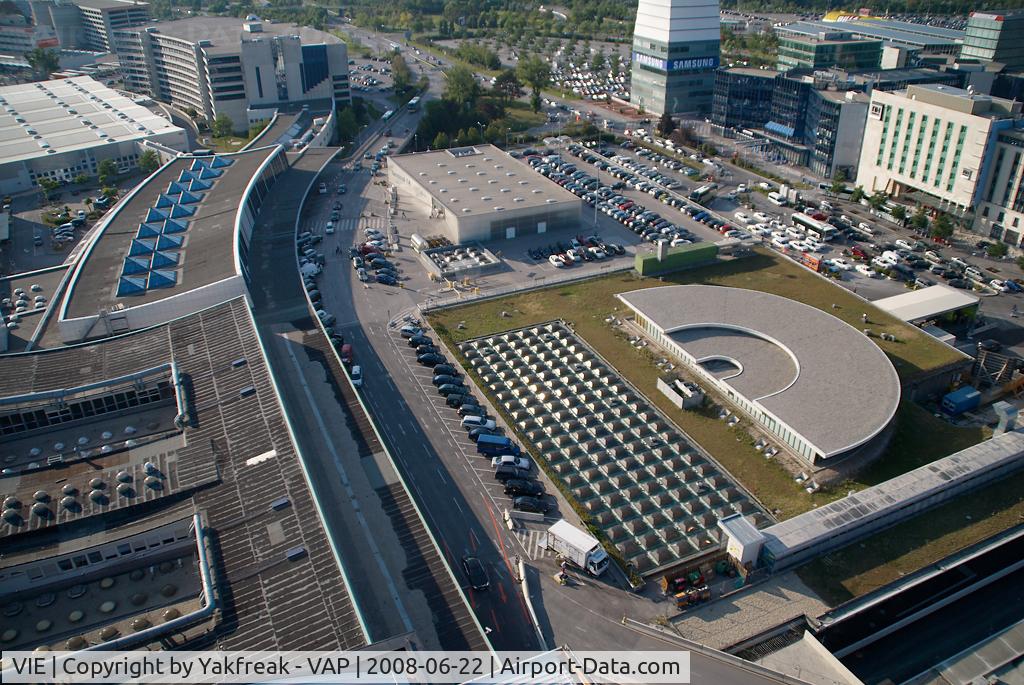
656 497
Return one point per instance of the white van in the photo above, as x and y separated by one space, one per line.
357 376
330 228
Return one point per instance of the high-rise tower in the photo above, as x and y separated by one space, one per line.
675 53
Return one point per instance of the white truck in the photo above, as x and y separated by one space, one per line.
577 547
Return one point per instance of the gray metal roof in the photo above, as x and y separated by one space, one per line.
884 31
807 529
819 375
273 602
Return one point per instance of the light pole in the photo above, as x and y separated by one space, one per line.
481 131
415 142
507 131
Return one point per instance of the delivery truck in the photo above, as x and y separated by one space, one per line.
577 547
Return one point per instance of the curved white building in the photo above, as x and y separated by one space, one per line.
676 47
813 382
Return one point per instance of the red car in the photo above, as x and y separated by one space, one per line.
858 253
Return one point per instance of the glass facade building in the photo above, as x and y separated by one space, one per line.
743 97
811 48
995 37
676 47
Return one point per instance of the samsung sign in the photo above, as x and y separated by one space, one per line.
690 64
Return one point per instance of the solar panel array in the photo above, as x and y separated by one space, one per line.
158 248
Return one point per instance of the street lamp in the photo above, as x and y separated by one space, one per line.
415 142
507 131
481 131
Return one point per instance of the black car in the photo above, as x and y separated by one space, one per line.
475 433
532 504
457 400
472 410
990 345
385 279
417 340
516 487
506 472
430 359
451 389
427 349
961 283
475 573
446 369
443 379
381 263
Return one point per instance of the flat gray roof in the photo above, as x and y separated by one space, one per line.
63 112
111 4
889 31
207 251
799 532
479 179
820 376
225 33
926 303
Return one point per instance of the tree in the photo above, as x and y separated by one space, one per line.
441 141
48 185
919 221
256 129
109 192
613 63
508 86
997 250
877 200
149 162
899 212
43 62
107 171
462 87
536 73
347 125
222 126
838 182
191 112
857 195
597 61
942 227
81 179
400 73
666 125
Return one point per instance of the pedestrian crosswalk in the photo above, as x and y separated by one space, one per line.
533 541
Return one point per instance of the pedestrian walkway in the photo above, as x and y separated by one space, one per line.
533 541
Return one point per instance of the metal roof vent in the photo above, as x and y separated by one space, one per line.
499 209
12 503
69 489
98 496
151 468
550 200
129 430
12 517
504 190
69 503
466 210
153 483
41 496
97 484
41 510
125 490
124 477
517 199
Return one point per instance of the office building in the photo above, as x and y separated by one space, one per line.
934 142
1001 210
19 36
743 97
240 68
63 128
833 131
89 24
481 193
806 46
995 37
676 45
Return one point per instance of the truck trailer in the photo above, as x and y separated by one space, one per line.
577 547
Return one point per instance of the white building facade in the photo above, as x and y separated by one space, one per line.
936 140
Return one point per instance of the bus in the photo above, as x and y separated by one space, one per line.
414 104
388 114
819 230
777 199
704 195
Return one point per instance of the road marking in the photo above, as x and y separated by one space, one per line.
459 506
440 473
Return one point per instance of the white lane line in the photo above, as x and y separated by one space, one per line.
440 473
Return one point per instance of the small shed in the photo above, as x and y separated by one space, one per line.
961 400
743 541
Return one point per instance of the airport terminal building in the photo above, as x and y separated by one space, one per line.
810 381
480 193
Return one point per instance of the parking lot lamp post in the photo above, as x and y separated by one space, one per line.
481 131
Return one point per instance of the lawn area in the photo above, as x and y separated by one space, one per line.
227 143
865 566
519 117
919 438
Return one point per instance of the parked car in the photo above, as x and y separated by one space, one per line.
451 388
357 376
517 487
472 410
456 400
420 339
470 422
446 369
519 461
531 504
443 379
430 359
506 472
409 330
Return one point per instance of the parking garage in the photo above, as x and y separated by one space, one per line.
655 496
